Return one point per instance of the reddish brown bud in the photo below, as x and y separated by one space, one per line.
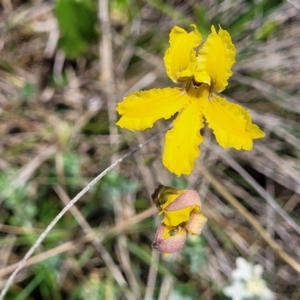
170 244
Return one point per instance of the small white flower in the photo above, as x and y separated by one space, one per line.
236 291
248 282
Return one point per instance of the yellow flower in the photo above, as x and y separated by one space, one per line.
203 69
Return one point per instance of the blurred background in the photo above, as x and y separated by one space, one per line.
64 65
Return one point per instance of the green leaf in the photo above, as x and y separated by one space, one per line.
264 8
77 20
263 32
27 91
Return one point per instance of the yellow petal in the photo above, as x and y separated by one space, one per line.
170 231
253 129
140 110
179 210
231 123
180 59
217 55
183 140
176 217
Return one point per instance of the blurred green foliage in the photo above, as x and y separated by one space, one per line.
77 22
195 254
267 28
252 11
27 91
115 184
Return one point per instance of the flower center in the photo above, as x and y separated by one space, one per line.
255 286
198 89
192 87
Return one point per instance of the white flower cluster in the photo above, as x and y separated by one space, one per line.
248 283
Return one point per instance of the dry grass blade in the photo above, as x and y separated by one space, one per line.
85 239
66 208
260 190
234 202
273 94
114 269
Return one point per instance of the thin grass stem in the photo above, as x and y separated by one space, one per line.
21 264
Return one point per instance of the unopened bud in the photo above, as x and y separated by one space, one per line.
195 223
169 244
